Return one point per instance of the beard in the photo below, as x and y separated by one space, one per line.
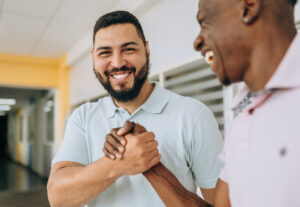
125 94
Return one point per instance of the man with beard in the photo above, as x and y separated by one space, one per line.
254 41
187 133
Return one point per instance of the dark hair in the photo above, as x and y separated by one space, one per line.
293 2
118 17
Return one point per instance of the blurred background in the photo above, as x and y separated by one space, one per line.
46 72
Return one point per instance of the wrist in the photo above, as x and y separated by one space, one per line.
115 169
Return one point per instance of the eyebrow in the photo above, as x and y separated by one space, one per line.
129 43
198 13
123 45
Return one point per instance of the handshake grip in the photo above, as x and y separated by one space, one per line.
164 182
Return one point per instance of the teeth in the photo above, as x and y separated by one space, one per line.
120 76
209 56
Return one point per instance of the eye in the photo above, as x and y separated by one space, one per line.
104 53
203 24
129 50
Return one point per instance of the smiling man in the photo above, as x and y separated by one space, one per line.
185 130
254 41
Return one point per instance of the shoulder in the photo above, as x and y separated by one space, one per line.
86 110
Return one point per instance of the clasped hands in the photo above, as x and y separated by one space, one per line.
132 147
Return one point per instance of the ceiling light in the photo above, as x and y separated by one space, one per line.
6 101
5 107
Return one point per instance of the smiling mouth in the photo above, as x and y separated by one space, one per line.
120 75
209 57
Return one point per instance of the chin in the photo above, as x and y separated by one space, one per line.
224 80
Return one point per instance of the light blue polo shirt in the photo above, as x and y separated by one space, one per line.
186 130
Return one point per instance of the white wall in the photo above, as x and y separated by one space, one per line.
83 83
297 11
171 28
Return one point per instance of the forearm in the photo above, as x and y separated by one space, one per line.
77 185
169 189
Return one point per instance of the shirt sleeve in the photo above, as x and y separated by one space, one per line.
207 144
223 157
223 172
74 146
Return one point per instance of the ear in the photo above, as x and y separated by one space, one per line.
92 53
251 10
147 48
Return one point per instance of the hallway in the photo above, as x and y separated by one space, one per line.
20 186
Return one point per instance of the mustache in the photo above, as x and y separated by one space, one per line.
122 69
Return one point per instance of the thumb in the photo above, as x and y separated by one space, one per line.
126 128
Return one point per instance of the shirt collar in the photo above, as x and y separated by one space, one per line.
157 100
246 99
154 104
109 107
286 76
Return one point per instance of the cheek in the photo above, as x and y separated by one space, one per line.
101 66
136 61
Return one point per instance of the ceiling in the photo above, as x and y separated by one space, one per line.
47 28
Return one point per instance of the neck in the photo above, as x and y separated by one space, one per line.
131 106
266 57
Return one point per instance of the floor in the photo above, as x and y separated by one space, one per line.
20 186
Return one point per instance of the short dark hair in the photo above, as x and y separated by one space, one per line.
118 17
293 2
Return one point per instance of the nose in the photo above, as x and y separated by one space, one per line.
198 43
118 61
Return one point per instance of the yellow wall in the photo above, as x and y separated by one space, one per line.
63 94
36 72
28 71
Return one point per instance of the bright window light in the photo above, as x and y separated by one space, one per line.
5 101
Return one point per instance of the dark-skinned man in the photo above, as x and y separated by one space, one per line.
183 133
254 41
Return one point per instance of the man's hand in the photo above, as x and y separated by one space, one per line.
114 146
141 151
141 154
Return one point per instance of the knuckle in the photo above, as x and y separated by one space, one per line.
107 136
151 134
113 142
106 145
118 138
114 130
